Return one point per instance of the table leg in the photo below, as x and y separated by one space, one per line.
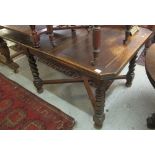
99 115
4 50
130 75
33 66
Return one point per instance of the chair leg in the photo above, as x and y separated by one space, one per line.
35 36
50 34
96 43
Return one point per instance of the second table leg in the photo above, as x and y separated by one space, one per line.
99 115
33 66
130 75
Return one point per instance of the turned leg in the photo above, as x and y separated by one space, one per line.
35 36
33 66
99 115
130 75
4 50
50 34
96 43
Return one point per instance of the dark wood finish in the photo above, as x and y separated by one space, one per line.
130 30
75 52
57 66
150 63
35 36
127 33
50 33
33 66
96 43
152 38
130 75
89 91
4 50
63 81
36 31
99 115
25 29
150 70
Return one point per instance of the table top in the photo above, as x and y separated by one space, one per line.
76 51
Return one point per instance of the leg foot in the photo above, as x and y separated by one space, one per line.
151 121
39 89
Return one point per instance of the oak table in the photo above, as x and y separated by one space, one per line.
76 53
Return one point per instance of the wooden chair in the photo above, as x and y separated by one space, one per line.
49 31
152 39
150 70
128 29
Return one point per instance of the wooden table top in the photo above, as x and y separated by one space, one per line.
25 29
76 51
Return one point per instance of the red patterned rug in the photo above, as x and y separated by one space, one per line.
21 110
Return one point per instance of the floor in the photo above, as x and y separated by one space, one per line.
126 108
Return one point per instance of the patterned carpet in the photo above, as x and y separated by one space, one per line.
22 110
